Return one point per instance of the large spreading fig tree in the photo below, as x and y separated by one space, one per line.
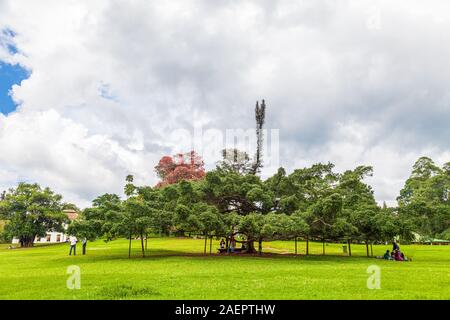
31 211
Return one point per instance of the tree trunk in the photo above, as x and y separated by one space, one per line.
210 245
27 242
227 245
179 233
367 248
129 247
371 250
349 247
251 246
295 245
307 245
206 241
31 241
260 246
142 245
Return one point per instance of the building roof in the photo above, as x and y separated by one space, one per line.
71 214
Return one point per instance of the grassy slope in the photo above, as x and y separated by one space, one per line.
172 270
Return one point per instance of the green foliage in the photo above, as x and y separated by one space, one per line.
232 192
252 226
31 211
101 219
424 200
3 236
445 235
314 201
234 160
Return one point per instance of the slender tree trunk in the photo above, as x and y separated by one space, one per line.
307 245
295 245
210 245
260 246
349 247
227 245
367 248
206 241
129 247
142 245
371 250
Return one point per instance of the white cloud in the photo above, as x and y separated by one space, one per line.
352 82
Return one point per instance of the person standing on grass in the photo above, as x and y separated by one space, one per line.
84 242
233 244
73 245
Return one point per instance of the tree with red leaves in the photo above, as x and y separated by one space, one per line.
182 166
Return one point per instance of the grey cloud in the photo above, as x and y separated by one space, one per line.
338 90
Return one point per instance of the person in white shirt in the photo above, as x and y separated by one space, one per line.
73 245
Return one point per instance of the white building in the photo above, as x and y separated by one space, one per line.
54 237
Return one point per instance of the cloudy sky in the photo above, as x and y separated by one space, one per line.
93 90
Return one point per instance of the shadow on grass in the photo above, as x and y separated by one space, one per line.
7 246
160 254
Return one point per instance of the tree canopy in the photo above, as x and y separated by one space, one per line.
424 200
31 212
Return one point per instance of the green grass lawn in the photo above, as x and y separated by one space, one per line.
175 269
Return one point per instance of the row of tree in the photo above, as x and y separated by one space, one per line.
313 202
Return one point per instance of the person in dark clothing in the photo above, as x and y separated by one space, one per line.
395 246
403 256
84 243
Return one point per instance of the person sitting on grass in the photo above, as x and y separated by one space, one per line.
222 244
403 257
387 255
392 255
398 257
